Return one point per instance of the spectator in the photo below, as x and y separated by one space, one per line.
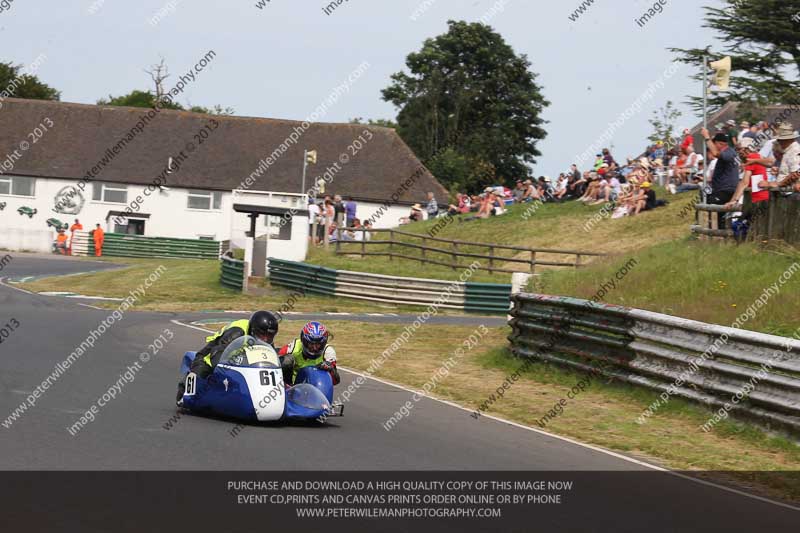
576 174
519 191
726 172
368 227
688 139
608 159
313 219
432 207
350 211
339 210
744 129
659 153
561 187
789 169
414 216
646 199
754 175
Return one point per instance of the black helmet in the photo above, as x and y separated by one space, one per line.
263 326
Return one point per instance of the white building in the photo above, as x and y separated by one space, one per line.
179 174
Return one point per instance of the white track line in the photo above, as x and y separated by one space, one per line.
559 437
4 284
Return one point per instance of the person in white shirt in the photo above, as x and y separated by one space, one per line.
789 171
313 218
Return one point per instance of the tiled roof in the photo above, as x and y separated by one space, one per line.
82 135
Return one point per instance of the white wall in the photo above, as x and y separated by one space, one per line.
28 240
170 216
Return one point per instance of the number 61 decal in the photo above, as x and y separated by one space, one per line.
265 378
191 384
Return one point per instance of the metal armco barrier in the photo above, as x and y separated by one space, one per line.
121 245
232 274
474 297
665 353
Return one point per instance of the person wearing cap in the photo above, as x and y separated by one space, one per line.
789 171
647 198
725 179
732 131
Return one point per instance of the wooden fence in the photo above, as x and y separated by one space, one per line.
393 248
776 219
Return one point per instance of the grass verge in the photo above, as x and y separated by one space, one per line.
193 285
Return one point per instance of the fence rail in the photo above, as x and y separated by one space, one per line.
455 251
473 297
232 274
701 362
773 219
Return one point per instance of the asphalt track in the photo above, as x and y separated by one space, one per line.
129 432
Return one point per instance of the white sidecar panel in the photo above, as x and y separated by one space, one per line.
266 392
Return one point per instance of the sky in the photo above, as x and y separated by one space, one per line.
284 59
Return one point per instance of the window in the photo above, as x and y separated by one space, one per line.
17 186
111 193
278 228
205 200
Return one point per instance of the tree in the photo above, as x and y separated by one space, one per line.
467 91
763 39
383 122
460 172
663 123
216 110
138 98
14 83
159 73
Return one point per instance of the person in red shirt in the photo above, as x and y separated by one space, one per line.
754 173
77 226
688 140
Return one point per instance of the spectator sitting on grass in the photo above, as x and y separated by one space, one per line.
561 187
432 207
646 199
414 216
531 192
592 188
519 191
463 205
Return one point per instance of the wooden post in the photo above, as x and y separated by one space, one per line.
455 257
533 261
491 259
424 243
391 243
363 242
577 261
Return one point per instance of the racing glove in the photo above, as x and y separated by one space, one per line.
330 366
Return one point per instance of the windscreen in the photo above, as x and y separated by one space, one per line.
251 352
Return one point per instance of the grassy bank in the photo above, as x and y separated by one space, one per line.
710 282
567 226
